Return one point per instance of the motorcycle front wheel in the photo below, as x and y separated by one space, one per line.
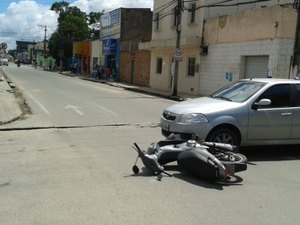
232 157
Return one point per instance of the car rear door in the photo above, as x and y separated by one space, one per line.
296 113
273 122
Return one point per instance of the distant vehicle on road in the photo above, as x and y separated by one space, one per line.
244 113
4 61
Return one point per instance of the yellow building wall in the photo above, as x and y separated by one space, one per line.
81 48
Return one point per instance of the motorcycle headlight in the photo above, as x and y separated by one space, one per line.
193 118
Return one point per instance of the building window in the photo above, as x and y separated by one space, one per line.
191 66
192 13
156 21
159 65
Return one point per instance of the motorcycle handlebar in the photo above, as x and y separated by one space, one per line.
137 147
227 147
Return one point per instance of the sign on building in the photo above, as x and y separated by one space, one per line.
109 47
178 54
110 18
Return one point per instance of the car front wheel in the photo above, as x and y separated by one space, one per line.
224 135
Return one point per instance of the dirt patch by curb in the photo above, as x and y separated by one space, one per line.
19 98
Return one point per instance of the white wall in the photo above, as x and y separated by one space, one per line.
224 58
96 51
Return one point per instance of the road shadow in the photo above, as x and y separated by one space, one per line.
177 173
201 182
272 153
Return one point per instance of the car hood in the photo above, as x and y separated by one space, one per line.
201 105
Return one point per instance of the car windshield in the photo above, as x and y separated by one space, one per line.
239 91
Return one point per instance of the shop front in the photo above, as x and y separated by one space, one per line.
111 53
82 55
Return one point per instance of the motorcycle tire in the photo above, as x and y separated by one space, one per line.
235 158
236 163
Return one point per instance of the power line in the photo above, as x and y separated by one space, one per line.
221 4
163 7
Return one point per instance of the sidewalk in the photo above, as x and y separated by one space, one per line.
142 89
135 88
9 108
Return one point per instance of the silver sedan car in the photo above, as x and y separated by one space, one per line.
243 113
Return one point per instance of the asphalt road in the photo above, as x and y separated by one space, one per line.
58 100
81 173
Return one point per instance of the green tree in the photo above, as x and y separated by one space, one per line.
59 6
72 26
94 24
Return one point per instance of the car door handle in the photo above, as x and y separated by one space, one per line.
286 114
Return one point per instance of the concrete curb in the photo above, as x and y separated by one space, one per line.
131 87
9 108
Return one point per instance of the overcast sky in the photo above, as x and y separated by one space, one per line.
20 19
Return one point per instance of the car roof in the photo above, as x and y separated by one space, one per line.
274 80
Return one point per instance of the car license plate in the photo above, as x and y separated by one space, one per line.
165 126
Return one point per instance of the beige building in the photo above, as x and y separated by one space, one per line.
220 44
163 46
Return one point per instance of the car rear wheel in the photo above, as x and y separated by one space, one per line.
224 135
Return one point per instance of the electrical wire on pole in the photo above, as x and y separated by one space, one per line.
45 37
179 9
296 53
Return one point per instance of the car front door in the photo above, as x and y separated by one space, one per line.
272 122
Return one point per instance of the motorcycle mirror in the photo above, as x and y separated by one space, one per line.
135 169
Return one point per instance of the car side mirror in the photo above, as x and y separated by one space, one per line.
263 102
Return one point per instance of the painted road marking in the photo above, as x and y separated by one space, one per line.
74 108
37 102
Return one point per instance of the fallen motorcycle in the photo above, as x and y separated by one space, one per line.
209 160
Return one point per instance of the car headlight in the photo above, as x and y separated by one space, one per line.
193 118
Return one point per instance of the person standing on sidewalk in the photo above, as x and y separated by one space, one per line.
107 73
113 73
96 72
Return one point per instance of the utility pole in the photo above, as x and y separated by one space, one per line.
177 58
296 53
45 37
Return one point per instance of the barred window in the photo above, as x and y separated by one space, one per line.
192 13
159 65
156 21
191 66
